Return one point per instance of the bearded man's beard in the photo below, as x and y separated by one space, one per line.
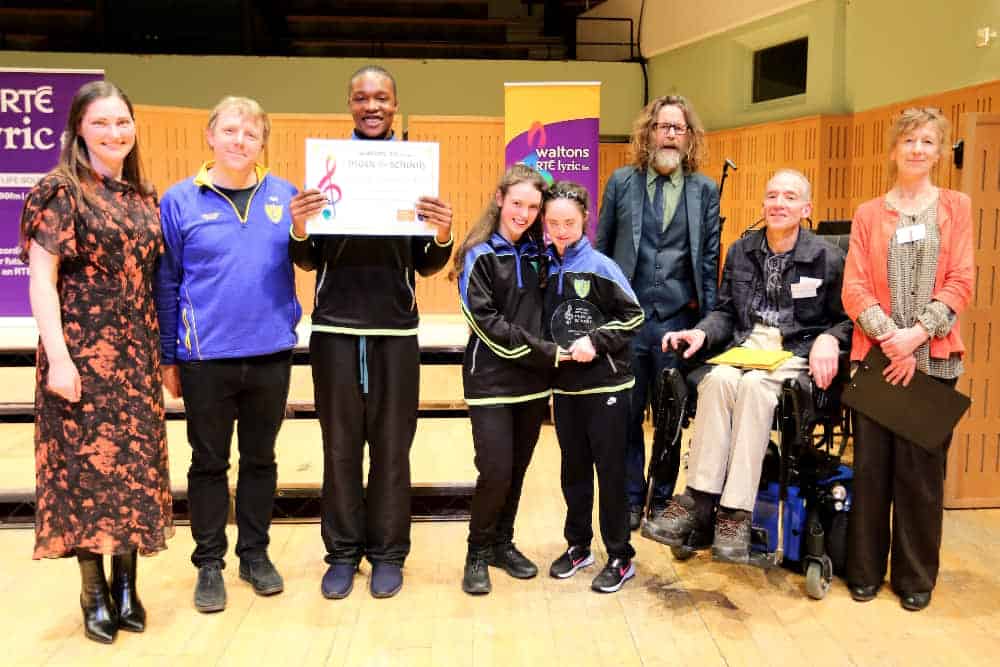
666 160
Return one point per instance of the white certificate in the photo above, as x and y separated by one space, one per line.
371 187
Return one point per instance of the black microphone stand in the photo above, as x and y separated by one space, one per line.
729 164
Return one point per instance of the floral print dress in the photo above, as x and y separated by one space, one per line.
101 476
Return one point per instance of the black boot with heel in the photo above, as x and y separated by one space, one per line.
100 618
131 614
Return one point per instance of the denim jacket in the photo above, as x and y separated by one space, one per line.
732 319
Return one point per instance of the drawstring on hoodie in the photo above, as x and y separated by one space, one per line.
517 266
363 363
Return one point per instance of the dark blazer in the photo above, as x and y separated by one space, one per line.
731 321
619 227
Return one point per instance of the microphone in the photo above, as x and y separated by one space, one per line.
731 165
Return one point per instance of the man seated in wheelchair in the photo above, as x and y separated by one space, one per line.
780 291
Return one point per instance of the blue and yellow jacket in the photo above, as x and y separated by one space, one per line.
506 359
583 273
225 287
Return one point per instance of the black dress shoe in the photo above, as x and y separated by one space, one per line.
915 601
131 614
100 618
861 593
508 558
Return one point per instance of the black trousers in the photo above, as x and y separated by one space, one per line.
591 430
252 392
366 391
504 437
891 472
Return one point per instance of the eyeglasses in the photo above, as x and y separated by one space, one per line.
667 128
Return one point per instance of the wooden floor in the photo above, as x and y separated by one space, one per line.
694 613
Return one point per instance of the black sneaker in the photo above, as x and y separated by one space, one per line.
476 578
575 558
732 537
507 557
614 575
262 575
210 591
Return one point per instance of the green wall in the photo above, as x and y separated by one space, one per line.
313 85
899 49
715 73
862 54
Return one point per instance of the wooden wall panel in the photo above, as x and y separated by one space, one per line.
610 157
818 146
832 181
974 460
172 141
472 161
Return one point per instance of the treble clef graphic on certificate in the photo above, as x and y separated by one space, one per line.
330 189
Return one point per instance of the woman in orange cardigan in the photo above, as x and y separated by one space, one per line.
909 274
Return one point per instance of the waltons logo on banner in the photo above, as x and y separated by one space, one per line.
554 128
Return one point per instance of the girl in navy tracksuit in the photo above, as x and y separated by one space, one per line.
591 397
506 369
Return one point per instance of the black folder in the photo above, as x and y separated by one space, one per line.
924 412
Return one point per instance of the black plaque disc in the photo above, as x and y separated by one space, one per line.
573 319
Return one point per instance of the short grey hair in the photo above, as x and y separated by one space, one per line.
805 189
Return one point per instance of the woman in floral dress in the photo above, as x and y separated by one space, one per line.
91 235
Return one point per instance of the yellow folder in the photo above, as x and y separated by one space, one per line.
766 360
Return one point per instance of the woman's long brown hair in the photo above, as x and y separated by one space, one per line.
489 221
74 160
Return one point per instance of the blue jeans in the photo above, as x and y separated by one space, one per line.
648 362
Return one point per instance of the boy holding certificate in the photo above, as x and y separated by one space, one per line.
591 311
366 363
780 291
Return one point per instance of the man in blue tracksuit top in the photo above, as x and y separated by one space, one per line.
225 295
366 364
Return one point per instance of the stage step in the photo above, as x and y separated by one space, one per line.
440 391
441 461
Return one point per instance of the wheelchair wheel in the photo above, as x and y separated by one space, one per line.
682 553
817 585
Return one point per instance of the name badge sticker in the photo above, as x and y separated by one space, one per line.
803 290
911 234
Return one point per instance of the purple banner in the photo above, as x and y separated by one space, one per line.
563 151
34 105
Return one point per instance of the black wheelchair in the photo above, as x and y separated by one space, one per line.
800 515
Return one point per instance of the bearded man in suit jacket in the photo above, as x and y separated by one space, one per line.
659 221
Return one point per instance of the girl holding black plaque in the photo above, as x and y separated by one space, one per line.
591 311
504 373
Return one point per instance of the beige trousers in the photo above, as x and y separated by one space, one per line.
733 424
